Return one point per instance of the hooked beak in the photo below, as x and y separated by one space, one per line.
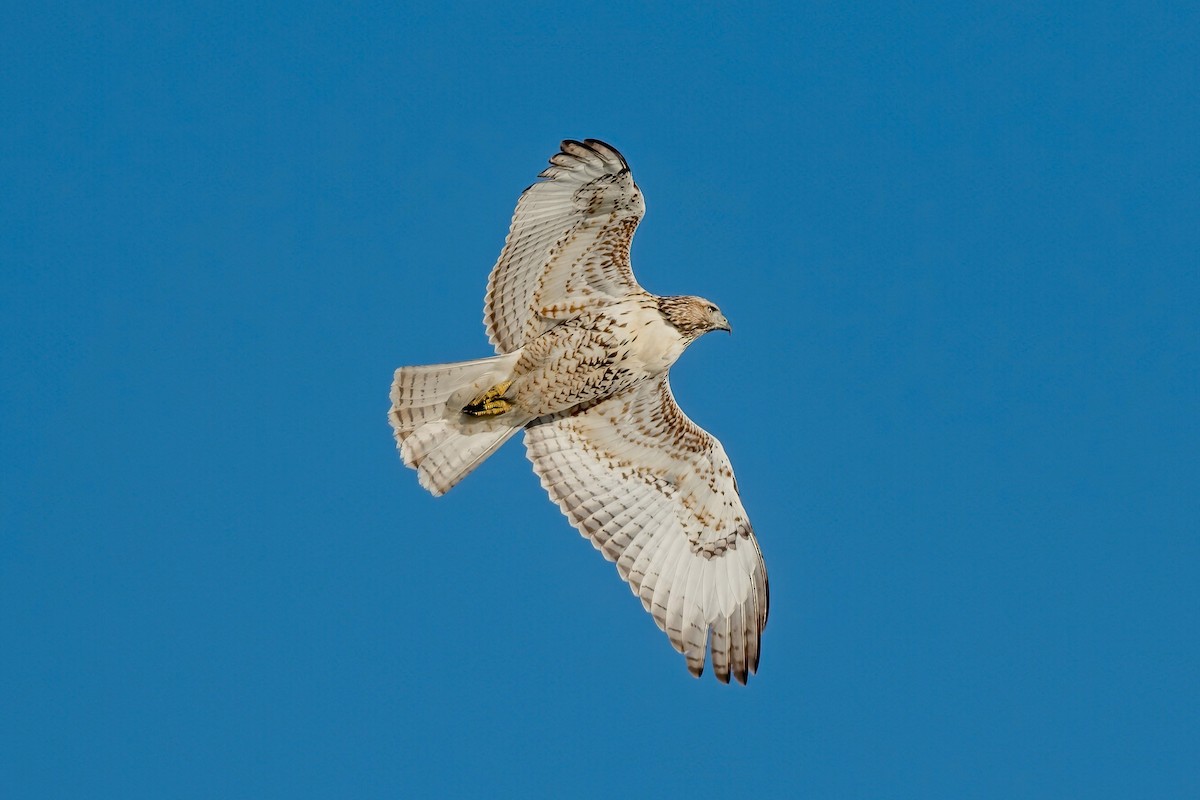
722 324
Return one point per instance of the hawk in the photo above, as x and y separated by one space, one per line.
582 359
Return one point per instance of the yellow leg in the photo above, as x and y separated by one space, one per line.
490 403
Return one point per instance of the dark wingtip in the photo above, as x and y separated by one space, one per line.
595 147
594 143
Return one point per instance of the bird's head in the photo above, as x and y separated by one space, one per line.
693 316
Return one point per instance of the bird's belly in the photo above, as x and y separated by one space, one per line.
575 379
575 365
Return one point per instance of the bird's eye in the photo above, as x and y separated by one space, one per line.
711 307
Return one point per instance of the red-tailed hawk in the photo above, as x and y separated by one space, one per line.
584 353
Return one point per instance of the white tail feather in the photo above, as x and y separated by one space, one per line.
434 436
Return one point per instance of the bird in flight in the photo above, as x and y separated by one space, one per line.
582 359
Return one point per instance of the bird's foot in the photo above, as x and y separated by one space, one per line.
490 403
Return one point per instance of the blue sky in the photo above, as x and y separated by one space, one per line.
958 244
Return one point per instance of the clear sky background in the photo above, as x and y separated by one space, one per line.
958 244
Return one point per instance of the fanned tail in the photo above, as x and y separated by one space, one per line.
433 434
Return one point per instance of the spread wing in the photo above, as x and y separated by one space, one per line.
656 494
569 241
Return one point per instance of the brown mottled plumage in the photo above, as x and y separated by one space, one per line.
583 355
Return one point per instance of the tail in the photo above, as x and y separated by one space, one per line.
435 437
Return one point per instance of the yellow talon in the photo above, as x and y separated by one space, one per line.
490 403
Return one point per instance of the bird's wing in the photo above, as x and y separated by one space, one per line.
568 243
656 494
